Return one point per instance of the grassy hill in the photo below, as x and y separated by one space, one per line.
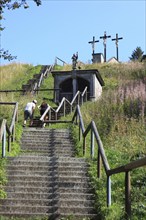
120 117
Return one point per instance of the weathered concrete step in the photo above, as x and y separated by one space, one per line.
55 159
46 169
47 146
54 216
64 184
79 216
45 209
43 163
40 158
47 202
51 154
41 135
27 209
45 153
53 195
46 172
24 189
48 150
63 152
51 130
47 136
57 178
45 141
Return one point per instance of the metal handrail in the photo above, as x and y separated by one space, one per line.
8 131
62 104
74 98
77 117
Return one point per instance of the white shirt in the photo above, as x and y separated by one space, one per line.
30 106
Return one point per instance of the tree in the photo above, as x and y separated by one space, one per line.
11 5
136 54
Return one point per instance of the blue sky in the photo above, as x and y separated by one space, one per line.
60 28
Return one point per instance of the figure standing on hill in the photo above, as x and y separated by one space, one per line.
74 60
29 111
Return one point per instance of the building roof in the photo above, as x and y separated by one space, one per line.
112 60
78 72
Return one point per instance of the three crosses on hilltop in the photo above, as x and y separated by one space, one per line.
104 37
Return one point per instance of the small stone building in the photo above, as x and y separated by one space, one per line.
97 58
68 83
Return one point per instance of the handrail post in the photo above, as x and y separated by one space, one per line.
13 134
16 119
81 100
77 117
108 191
86 96
127 194
4 143
55 115
99 165
9 143
84 146
49 114
92 144
71 108
79 131
64 110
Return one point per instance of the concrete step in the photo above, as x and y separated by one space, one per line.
54 213
48 190
46 170
39 131
58 178
48 141
41 158
53 195
60 152
46 209
47 202
67 184
54 216
46 149
28 172
45 163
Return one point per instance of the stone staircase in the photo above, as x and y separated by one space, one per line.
46 180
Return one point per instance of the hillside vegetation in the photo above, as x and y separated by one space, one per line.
120 117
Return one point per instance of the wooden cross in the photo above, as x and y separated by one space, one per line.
104 37
93 44
116 41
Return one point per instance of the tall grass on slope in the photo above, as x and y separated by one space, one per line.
117 74
11 75
121 123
